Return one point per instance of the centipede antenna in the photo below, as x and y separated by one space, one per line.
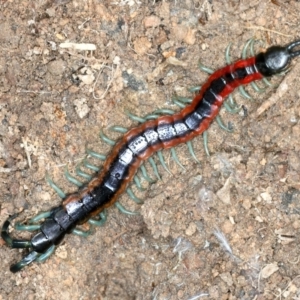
290 48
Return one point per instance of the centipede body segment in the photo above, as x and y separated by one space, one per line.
139 144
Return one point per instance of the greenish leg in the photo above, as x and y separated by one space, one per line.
151 117
32 256
13 243
164 111
101 221
72 179
194 89
119 129
205 142
82 233
97 155
106 139
32 226
39 217
244 93
228 61
22 227
90 166
125 211
134 197
267 82
138 183
145 174
231 101
222 125
191 150
245 49
42 257
178 103
205 69
231 109
176 159
227 54
182 99
154 167
257 88
135 118
58 190
84 175
162 161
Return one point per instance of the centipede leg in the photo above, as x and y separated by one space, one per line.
176 159
82 233
101 221
79 172
222 125
125 211
13 243
55 187
134 197
154 167
106 139
72 179
191 150
42 257
29 258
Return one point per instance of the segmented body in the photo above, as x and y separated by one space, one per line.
141 142
165 132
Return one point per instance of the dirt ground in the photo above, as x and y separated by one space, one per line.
54 99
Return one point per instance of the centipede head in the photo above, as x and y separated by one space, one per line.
276 59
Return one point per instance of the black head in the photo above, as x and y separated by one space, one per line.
276 59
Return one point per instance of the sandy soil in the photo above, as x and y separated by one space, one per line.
54 101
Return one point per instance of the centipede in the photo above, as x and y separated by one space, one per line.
137 145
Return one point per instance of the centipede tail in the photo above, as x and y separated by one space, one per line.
135 147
